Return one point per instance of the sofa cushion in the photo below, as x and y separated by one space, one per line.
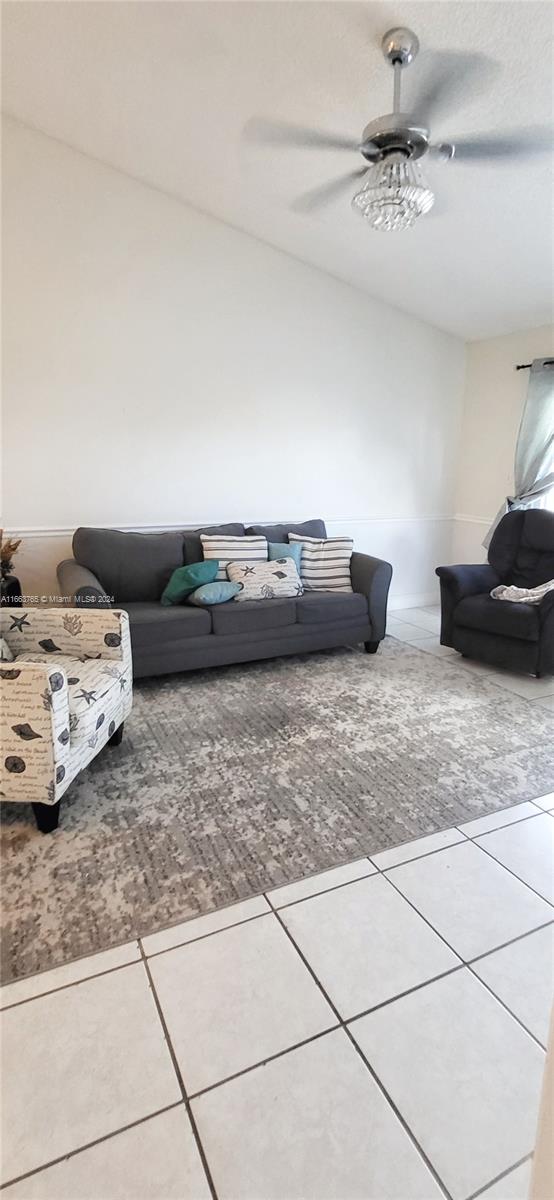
152 625
318 607
253 615
130 566
280 533
502 617
193 545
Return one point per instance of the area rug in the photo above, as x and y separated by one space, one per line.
235 780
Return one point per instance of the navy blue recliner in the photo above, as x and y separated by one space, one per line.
517 636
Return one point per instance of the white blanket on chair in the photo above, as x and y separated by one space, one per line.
522 595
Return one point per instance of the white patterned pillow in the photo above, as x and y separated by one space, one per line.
325 565
233 549
265 580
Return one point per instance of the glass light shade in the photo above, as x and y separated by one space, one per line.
394 194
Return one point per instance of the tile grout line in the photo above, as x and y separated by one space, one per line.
511 942
484 984
471 837
202 936
63 987
467 836
508 869
315 1037
467 962
179 1076
375 1077
106 1137
503 1175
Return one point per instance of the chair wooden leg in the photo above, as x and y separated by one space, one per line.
46 816
116 737
371 647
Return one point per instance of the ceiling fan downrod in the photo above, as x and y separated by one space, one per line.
399 46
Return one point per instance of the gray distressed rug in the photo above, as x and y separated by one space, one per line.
235 780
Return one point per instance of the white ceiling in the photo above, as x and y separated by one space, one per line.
163 90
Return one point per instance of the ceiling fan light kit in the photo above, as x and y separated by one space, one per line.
394 192
393 195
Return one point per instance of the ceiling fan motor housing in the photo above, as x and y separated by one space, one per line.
393 134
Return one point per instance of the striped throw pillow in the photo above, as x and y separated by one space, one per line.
233 549
325 565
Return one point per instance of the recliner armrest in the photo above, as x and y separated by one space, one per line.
546 605
457 582
468 579
372 576
81 585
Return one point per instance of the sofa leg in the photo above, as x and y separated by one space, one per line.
46 816
371 647
117 737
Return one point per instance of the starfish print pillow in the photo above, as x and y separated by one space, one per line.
265 580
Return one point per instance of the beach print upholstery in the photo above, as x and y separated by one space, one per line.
68 689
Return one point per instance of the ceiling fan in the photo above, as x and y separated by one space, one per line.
394 192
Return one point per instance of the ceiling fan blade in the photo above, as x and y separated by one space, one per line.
455 77
535 140
281 133
326 192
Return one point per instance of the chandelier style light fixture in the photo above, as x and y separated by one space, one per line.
393 194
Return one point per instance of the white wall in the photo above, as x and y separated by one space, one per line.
161 368
493 405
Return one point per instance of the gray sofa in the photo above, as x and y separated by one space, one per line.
130 571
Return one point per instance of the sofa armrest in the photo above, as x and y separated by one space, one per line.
80 583
468 580
372 576
35 729
82 633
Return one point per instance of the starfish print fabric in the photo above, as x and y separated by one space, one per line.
65 692
265 580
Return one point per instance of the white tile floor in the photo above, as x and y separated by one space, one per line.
376 1032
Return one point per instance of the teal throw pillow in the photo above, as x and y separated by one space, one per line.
215 593
286 550
187 579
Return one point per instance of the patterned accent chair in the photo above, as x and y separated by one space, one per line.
65 693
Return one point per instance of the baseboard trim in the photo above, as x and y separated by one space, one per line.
415 600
